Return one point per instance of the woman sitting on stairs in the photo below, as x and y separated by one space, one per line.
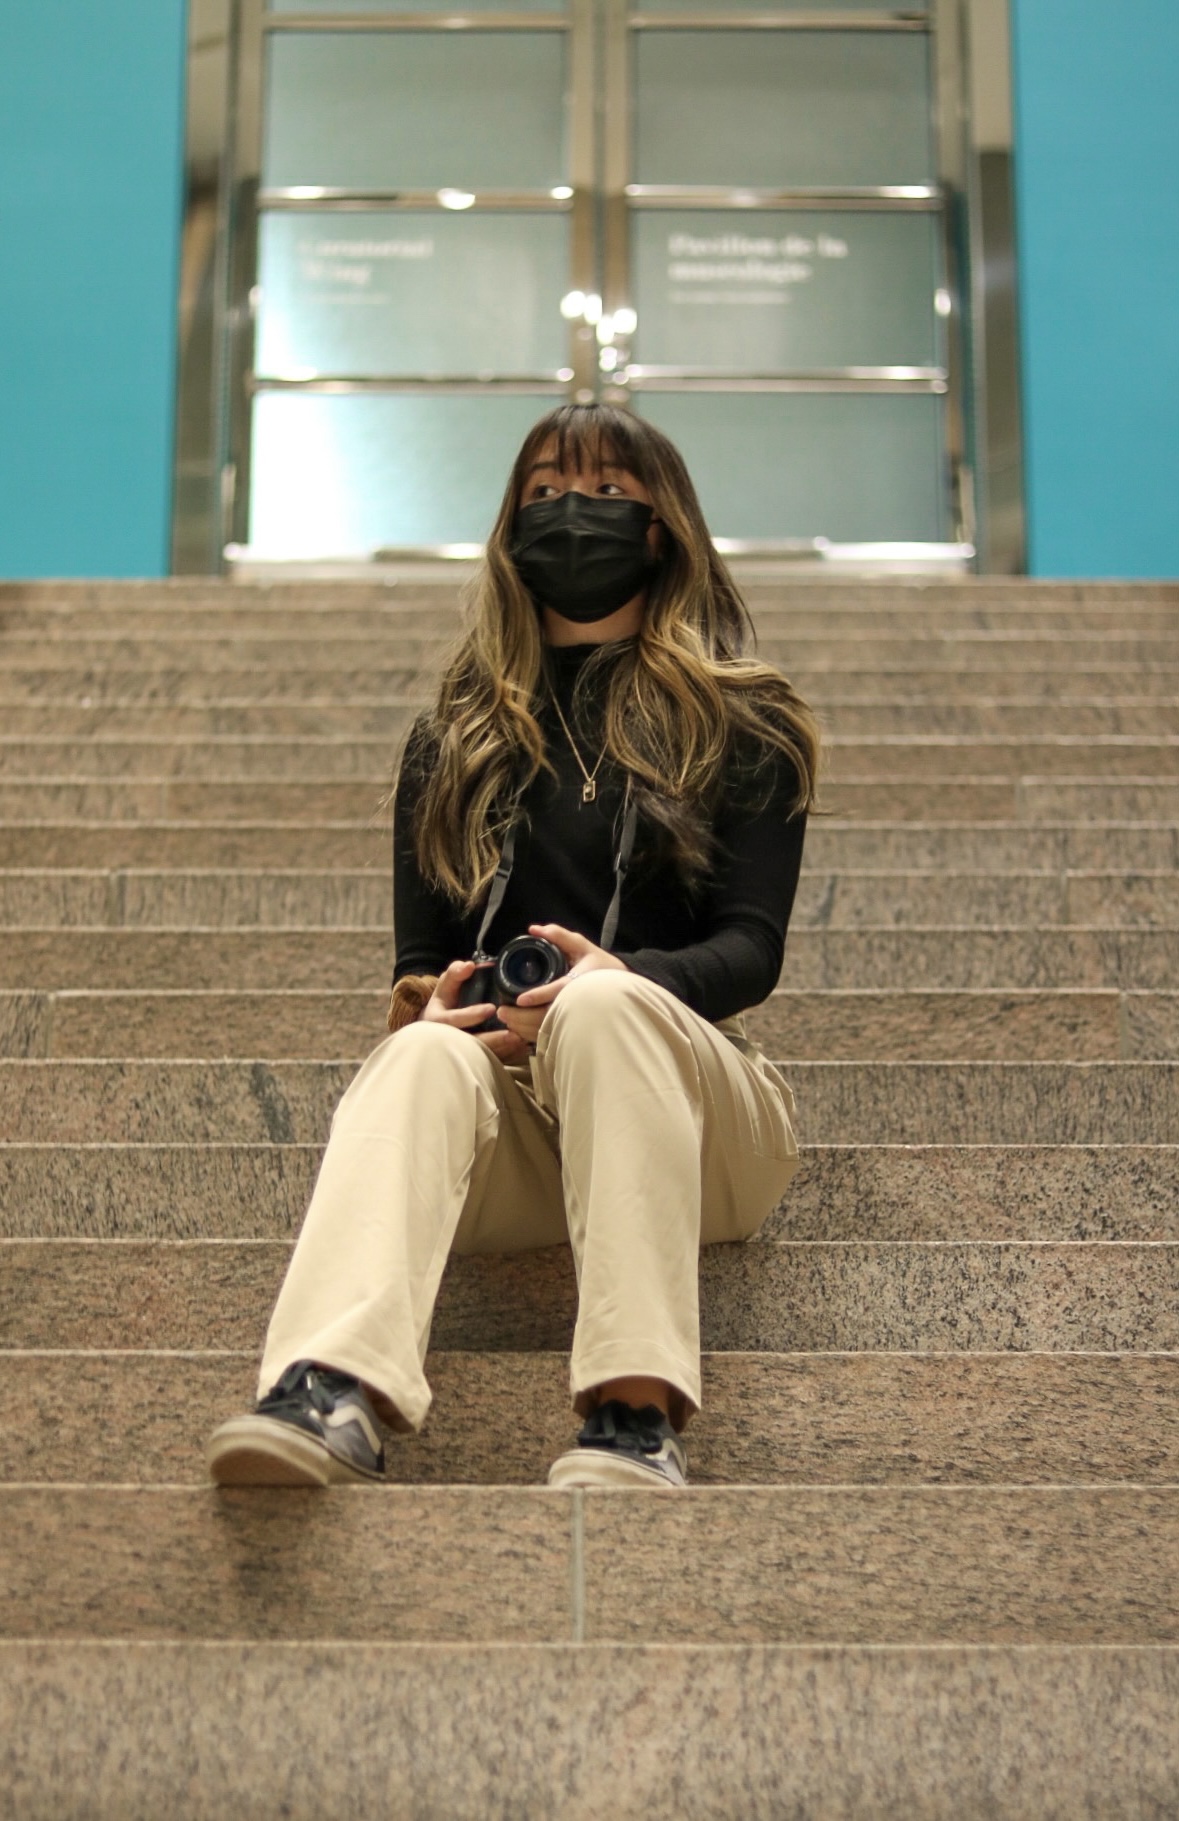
601 755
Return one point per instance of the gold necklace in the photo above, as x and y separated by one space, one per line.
589 789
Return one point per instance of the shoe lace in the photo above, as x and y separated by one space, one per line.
614 1419
305 1383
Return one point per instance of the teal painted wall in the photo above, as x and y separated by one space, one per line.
91 181
1097 190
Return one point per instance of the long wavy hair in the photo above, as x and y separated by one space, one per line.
678 699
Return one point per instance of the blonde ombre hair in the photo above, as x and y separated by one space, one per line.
677 699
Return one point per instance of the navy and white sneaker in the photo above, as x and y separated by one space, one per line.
620 1446
315 1427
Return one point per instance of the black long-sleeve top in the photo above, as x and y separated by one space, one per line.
718 948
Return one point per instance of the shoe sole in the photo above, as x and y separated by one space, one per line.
259 1451
591 1467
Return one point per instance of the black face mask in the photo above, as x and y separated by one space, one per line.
583 557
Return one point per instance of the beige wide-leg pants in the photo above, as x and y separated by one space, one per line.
638 1132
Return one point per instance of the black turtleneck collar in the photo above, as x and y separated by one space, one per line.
565 663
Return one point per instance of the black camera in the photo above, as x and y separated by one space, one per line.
523 963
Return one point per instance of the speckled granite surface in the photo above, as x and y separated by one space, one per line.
407 669
250 895
830 845
257 958
781 1419
1073 1564
909 1192
908 755
1096 800
950 755
903 1734
778 1296
427 1564
1004 1565
982 1192
1001 1026
187 799
362 959
896 959
317 759
797 648
984 798
839 1102
966 847
1099 715
172 682
921 1427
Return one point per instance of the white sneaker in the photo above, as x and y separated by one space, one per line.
315 1427
620 1446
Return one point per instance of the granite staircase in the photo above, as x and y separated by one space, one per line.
929 1566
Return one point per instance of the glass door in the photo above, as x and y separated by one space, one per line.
776 242
728 219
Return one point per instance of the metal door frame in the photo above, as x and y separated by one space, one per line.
600 205
245 201
624 197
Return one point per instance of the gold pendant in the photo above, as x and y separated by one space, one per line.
589 791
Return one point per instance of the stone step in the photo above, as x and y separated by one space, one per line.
900 757
813 652
130 897
1011 720
897 1733
244 611
434 582
869 1565
361 960
905 1192
955 1296
767 1419
831 845
291 1102
998 1026
423 616
395 676
991 798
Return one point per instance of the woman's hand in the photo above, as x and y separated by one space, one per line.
525 1018
443 1008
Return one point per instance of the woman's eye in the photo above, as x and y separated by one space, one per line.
609 487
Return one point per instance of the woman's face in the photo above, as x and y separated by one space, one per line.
546 480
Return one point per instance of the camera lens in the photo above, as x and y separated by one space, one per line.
526 962
528 970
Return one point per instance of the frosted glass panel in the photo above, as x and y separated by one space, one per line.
371 293
431 6
854 469
770 109
884 7
403 110
341 476
747 292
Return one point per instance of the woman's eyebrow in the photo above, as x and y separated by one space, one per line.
537 467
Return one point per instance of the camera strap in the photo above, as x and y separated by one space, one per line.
507 860
626 847
499 886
